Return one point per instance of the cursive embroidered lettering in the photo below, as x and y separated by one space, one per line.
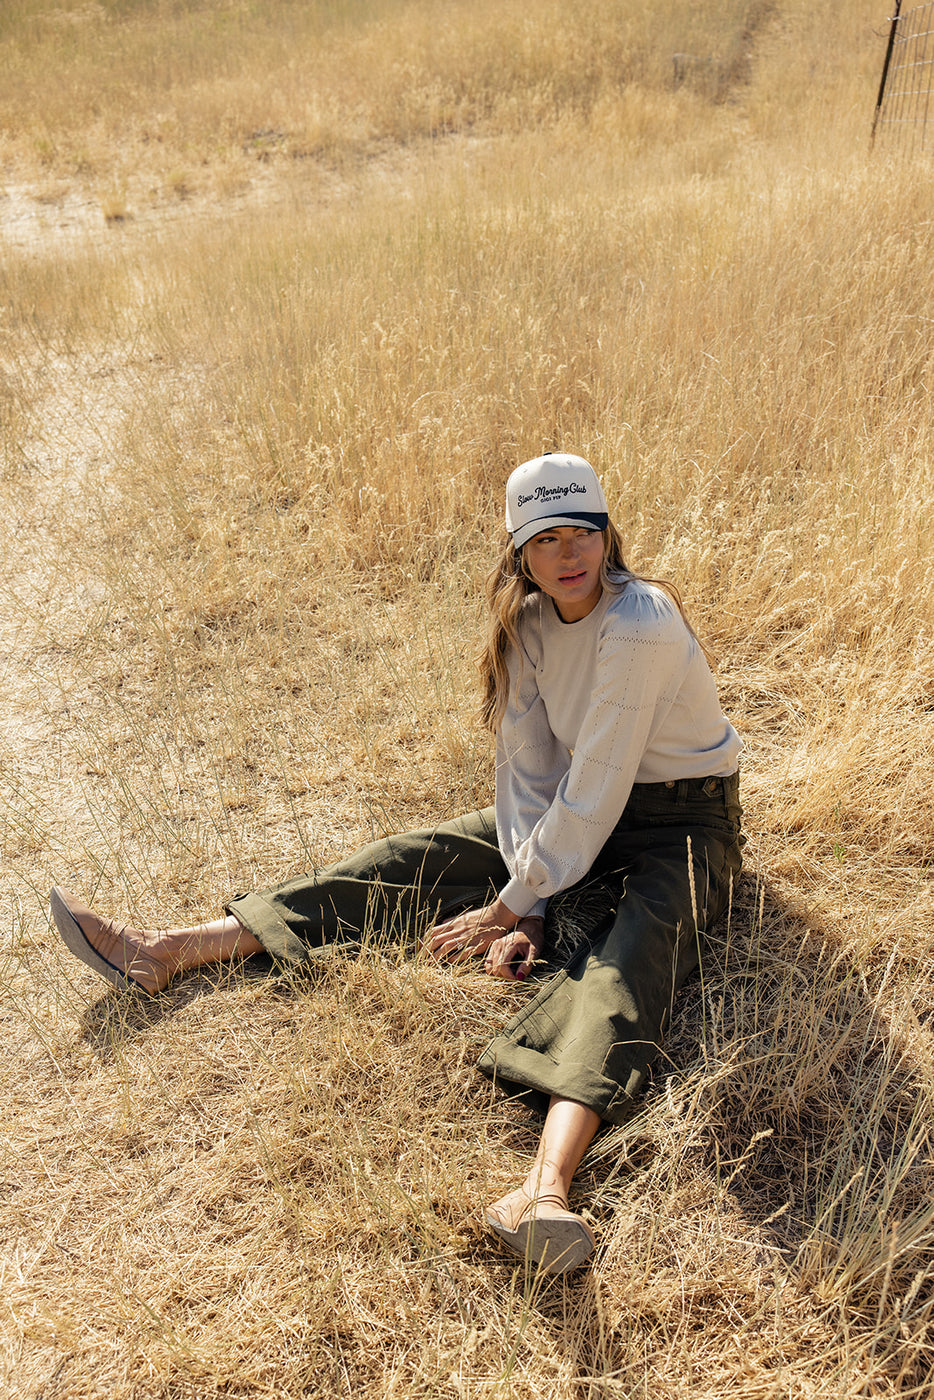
553 493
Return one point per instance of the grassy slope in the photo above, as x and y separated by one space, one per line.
252 462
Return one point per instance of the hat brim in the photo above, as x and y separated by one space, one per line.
590 521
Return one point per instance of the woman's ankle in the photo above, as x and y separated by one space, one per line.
545 1181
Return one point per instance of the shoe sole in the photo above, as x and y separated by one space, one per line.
76 942
556 1243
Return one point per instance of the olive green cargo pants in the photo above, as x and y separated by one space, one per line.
636 930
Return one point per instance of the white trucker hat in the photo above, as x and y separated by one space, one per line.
557 489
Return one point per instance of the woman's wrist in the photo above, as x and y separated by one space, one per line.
502 916
533 926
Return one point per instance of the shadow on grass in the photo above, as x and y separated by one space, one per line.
118 1017
782 1150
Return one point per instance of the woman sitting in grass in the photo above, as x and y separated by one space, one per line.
616 771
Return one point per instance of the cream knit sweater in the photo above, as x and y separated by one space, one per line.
624 696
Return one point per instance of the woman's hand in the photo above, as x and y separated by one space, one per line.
511 944
513 955
468 934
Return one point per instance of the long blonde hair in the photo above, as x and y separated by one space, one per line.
508 584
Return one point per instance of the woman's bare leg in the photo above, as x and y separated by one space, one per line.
567 1133
147 958
534 1219
181 949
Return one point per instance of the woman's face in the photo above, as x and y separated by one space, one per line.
565 563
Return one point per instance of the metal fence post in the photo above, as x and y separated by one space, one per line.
885 71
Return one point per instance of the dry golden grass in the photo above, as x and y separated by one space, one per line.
253 437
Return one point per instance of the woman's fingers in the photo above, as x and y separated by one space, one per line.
511 957
449 948
438 937
461 937
448 933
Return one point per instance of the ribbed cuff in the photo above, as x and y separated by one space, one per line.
520 900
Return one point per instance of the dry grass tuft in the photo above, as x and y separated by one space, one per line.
252 447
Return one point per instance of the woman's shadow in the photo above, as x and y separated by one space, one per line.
119 1017
788 1114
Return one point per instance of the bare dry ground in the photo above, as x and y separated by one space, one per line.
259 395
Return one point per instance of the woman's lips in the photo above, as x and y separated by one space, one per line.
569 579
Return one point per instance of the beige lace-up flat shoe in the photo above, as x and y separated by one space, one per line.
546 1233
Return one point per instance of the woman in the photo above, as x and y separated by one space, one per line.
615 767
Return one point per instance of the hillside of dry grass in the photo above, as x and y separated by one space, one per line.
287 290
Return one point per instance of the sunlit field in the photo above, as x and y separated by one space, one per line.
287 291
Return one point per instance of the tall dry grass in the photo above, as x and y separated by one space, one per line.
253 466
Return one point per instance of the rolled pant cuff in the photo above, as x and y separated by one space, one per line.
516 1069
279 941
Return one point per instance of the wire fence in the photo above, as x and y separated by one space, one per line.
905 105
